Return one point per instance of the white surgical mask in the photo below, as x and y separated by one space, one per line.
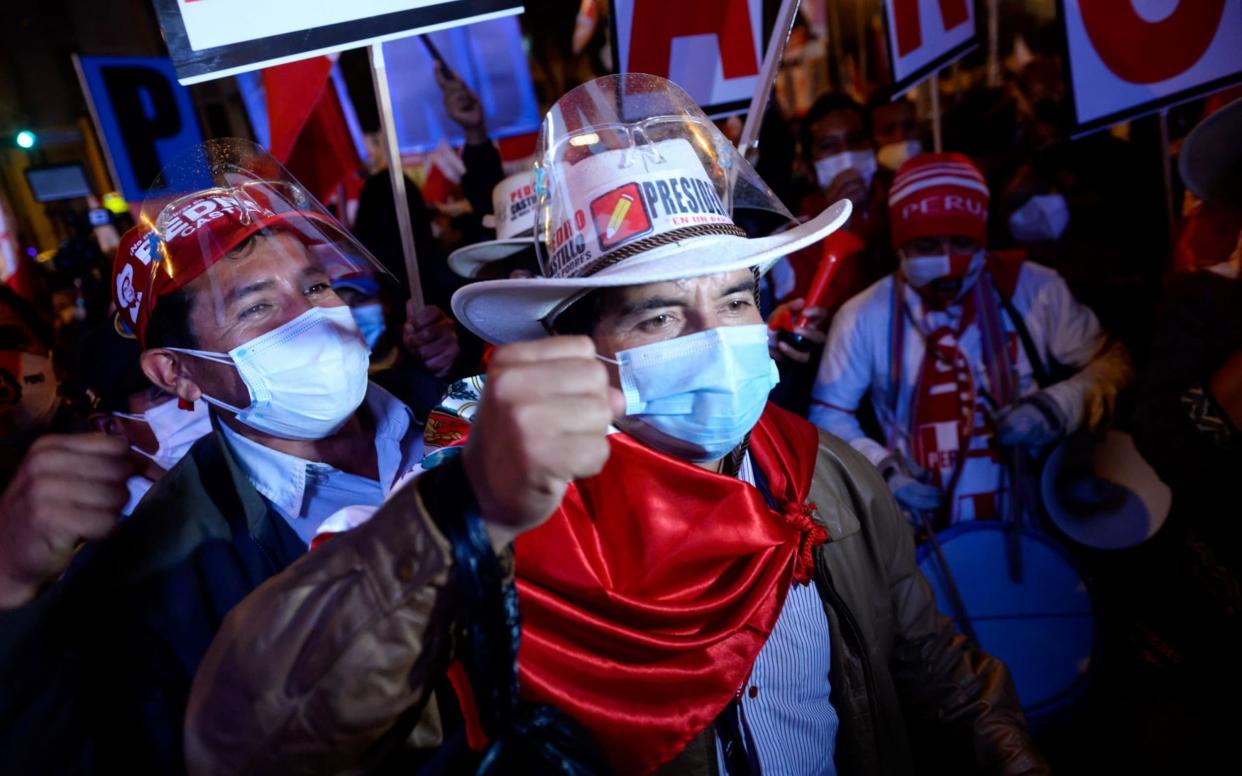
28 389
176 430
696 397
1043 218
892 155
921 270
828 168
305 377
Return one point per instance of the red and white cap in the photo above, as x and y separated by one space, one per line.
196 232
202 208
936 195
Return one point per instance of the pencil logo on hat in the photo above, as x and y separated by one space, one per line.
619 216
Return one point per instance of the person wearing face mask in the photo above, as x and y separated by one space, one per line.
228 288
124 404
837 144
956 350
895 133
410 358
706 583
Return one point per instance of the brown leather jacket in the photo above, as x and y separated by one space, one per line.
327 662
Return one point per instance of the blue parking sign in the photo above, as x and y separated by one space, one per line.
145 116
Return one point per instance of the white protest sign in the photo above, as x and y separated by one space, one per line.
712 49
1129 57
213 38
925 35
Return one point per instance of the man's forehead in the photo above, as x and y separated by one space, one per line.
277 253
686 287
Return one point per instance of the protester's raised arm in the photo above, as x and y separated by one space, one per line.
316 665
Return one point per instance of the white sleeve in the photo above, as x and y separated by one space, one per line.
844 377
1075 339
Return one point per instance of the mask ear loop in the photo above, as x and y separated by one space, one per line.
140 419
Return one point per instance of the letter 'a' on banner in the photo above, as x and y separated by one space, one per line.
711 48
214 38
926 35
1128 58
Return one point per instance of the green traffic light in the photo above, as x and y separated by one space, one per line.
26 139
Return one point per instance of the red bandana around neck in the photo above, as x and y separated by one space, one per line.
648 594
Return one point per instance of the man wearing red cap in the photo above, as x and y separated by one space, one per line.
229 291
960 352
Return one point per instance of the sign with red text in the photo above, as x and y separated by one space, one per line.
214 38
925 35
1130 57
711 48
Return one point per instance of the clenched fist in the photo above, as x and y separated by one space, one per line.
542 422
68 488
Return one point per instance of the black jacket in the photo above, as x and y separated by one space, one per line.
97 670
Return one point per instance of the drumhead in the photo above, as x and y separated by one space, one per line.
1042 626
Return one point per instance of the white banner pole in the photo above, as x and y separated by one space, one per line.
1166 174
749 139
994 68
389 128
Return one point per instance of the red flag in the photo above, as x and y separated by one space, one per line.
293 92
308 130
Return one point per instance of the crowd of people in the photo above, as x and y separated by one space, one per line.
650 483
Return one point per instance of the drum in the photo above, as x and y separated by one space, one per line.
1101 494
1043 626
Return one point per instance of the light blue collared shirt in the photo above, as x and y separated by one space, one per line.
787 718
305 493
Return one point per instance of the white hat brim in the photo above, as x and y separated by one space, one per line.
468 260
1210 160
512 310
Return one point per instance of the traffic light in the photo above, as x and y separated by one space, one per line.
26 139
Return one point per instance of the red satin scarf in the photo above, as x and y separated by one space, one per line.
646 597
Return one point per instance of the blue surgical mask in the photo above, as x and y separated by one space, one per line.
696 397
370 320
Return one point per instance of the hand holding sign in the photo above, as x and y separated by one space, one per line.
461 104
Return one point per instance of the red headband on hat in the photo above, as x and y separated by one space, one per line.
200 230
937 195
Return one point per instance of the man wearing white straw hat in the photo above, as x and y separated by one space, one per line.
706 583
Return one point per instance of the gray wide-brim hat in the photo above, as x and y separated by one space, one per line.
1211 157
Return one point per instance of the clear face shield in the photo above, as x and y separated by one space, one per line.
251 248
682 177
